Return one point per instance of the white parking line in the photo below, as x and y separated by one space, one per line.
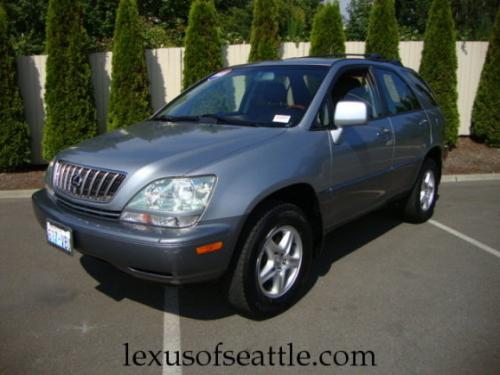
171 329
468 239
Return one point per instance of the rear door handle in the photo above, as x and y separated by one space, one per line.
422 122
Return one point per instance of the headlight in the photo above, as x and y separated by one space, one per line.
170 202
48 177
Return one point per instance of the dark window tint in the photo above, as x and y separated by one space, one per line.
324 118
397 93
423 90
356 85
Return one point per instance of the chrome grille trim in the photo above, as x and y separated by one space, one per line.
87 183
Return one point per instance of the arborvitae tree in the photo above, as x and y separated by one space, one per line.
129 99
14 141
383 36
203 53
71 115
327 35
439 64
264 36
486 111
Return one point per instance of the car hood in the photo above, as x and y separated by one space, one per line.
165 148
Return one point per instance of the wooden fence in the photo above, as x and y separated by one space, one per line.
165 75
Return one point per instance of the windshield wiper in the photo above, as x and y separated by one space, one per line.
175 118
227 120
217 119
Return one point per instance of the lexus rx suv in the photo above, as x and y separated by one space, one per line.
240 177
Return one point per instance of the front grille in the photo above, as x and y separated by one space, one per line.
107 214
85 182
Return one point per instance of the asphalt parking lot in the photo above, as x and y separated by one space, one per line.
422 298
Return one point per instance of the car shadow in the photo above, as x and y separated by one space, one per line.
206 301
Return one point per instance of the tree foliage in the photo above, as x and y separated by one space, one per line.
203 54
14 140
359 13
164 21
27 25
235 24
383 36
264 38
99 21
439 64
412 17
474 19
486 111
327 35
129 100
291 20
70 111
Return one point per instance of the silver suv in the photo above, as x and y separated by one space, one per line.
241 176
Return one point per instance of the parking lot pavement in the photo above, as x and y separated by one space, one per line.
422 299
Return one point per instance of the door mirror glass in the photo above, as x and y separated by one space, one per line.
348 113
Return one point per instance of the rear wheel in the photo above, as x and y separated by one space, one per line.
274 261
419 206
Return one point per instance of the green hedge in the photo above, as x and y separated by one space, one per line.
486 111
203 53
327 35
383 35
264 38
129 99
439 64
14 139
70 111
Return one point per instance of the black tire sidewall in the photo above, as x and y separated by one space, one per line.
414 211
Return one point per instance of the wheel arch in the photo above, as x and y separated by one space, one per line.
436 153
302 195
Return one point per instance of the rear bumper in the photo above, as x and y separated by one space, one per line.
158 254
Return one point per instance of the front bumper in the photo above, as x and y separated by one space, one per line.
158 254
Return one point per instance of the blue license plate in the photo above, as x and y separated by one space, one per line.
59 236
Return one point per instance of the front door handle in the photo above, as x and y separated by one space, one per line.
384 132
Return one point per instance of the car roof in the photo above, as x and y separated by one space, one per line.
325 61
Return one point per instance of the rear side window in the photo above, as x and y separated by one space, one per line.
398 95
423 90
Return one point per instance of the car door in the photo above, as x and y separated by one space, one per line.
361 154
410 124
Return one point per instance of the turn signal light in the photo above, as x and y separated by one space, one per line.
211 247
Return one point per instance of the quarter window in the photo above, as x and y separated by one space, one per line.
397 93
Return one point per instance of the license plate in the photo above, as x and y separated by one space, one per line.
60 236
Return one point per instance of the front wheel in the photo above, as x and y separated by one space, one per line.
274 261
419 206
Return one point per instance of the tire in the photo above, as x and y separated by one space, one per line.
248 291
419 206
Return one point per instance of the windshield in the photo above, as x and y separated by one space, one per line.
259 96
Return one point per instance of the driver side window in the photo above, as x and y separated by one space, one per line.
356 85
353 85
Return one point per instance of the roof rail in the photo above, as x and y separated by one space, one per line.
371 56
368 56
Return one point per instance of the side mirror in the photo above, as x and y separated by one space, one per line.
350 113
